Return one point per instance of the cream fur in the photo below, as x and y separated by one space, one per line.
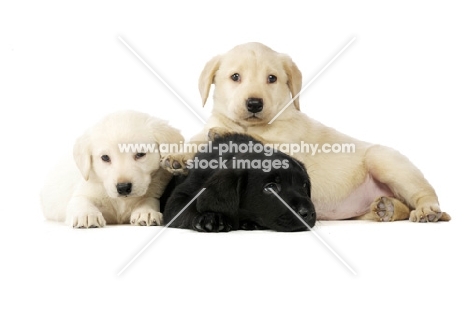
373 169
83 192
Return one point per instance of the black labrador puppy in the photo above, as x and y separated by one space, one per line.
238 189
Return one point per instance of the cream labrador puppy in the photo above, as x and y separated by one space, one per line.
108 184
253 84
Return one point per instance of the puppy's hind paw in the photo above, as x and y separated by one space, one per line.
429 213
387 209
211 222
383 209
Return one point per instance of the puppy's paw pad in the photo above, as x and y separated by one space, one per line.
175 164
146 218
88 220
383 209
217 132
211 222
429 213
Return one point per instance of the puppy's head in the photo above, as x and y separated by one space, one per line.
256 189
252 83
121 152
292 184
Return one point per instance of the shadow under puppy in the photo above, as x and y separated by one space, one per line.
106 185
239 187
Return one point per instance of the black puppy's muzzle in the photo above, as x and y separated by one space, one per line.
254 105
307 213
303 212
305 209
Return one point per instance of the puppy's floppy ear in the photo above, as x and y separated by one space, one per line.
165 134
301 166
222 194
207 77
294 78
82 154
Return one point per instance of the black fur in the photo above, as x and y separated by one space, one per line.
236 198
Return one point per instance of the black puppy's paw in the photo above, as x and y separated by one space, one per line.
250 225
211 222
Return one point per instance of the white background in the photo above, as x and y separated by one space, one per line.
402 83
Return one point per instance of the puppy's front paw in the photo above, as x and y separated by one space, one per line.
88 220
217 132
176 164
250 225
146 217
211 222
428 213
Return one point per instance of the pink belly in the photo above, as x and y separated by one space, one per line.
356 204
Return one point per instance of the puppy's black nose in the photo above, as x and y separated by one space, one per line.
303 212
124 188
254 105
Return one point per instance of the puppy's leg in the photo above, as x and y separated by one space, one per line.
82 213
386 209
147 213
406 182
217 132
175 204
219 204
191 218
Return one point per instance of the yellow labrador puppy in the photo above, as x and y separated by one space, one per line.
253 84
112 183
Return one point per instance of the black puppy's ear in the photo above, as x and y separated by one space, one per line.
308 186
306 176
222 194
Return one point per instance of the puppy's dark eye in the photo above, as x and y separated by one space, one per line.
105 158
235 77
271 79
139 155
271 187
